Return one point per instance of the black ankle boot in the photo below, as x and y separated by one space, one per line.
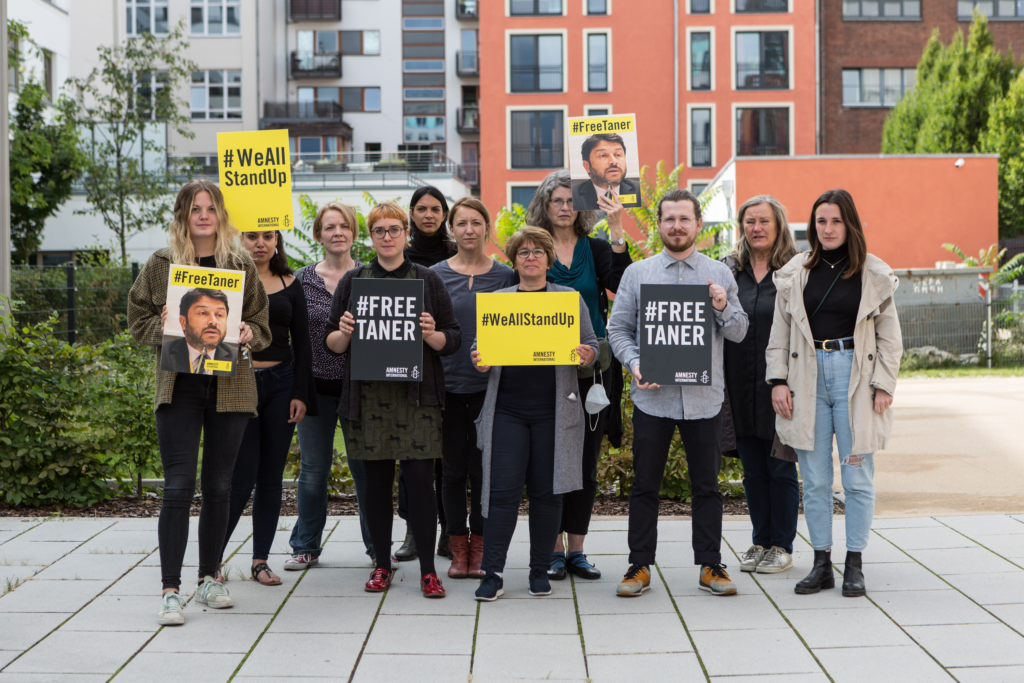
853 577
821 575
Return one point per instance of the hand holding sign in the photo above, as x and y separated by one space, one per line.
718 296
475 355
244 333
640 384
586 355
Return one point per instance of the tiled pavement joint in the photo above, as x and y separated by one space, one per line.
700 660
579 624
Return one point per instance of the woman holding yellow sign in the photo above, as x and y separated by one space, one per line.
530 429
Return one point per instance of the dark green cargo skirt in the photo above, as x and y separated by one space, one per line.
391 428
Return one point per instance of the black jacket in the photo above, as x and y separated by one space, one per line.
584 196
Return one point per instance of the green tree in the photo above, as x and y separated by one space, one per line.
1005 137
134 87
947 111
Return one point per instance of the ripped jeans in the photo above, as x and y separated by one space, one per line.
832 416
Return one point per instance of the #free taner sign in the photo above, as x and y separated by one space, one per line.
204 312
387 342
675 334
528 328
256 179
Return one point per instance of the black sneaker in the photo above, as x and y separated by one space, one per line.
539 583
491 588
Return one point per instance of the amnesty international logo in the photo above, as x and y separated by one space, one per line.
287 222
704 377
415 372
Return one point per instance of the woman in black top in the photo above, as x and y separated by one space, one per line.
284 382
773 494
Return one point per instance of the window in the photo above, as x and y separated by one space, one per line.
523 195
216 17
424 129
48 73
519 8
360 42
360 99
762 60
216 95
423 24
372 151
536 63
761 6
147 87
598 111
883 9
467 56
597 7
762 132
597 62
326 42
1003 9
146 16
423 65
700 138
698 188
12 67
700 61
471 163
876 87
537 139
700 6
423 94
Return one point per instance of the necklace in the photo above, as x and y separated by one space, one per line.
833 265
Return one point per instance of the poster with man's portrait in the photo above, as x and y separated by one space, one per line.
603 161
204 313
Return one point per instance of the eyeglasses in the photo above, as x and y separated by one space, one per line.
527 253
393 232
559 203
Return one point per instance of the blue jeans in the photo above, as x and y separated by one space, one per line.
832 416
316 443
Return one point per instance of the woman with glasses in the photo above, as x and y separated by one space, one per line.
592 267
396 421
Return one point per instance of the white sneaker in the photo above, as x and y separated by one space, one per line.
171 606
213 594
300 561
750 559
774 561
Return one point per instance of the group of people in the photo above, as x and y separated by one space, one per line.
804 347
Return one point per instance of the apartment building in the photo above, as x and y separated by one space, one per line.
48 61
869 53
707 79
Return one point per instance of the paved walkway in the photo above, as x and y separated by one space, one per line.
945 602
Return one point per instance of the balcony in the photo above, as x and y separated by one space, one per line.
314 10
700 78
701 155
310 65
466 9
467 63
468 120
755 77
305 118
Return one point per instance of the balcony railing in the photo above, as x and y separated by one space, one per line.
302 112
314 10
311 65
761 6
468 120
762 149
467 9
537 78
471 174
700 78
701 154
755 77
537 156
411 161
467 63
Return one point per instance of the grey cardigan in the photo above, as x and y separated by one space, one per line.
569 418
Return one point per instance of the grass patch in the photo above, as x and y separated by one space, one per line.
966 371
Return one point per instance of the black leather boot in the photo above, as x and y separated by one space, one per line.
853 577
408 550
821 575
444 547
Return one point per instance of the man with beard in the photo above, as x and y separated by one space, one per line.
204 318
693 409
604 158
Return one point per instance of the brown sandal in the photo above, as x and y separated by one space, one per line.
263 567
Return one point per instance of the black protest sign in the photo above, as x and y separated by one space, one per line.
387 342
675 334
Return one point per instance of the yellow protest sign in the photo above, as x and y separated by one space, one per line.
256 179
528 328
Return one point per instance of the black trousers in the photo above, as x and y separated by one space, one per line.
703 442
403 496
462 462
380 479
523 453
578 506
192 413
773 493
262 457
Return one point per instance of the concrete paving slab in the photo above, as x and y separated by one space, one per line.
36 553
89 567
407 598
143 524
279 546
962 561
753 653
865 627
374 668
604 543
902 576
528 616
418 635
154 667
931 608
71 652
313 654
22 631
510 657
8 656
970 644
1012 615
327 615
128 542
683 582
1005 588
904 523
345 554
988 674
619 524
1010 547
18 524
609 634
117 613
53 678
210 631
18 574
736 612
191 558
322 582
983 525
927 538
879 551
51 596
781 593
601 599
68 530
251 597
144 580
859 664
644 668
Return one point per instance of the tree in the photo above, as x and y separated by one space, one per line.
1005 137
947 111
134 87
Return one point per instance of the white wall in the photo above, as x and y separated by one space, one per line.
49 28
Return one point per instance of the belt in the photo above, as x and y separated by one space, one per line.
834 344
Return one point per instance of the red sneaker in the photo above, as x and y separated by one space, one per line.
379 581
431 586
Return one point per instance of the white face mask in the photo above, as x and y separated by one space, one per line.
597 400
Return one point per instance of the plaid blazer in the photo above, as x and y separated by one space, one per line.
145 304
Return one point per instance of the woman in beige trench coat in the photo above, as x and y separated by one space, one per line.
832 358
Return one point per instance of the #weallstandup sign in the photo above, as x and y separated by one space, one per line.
387 342
675 334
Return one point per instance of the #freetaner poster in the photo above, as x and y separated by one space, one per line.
256 179
675 334
603 159
204 312
387 342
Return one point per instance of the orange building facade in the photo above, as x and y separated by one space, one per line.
708 80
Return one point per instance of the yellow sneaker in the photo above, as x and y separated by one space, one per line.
715 580
636 581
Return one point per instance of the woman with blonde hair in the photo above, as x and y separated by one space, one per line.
189 406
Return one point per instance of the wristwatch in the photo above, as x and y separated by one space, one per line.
618 242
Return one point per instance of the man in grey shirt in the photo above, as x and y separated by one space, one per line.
694 409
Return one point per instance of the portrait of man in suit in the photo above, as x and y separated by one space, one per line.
604 158
203 315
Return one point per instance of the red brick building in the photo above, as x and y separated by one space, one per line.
869 51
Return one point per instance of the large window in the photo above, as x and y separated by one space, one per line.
360 42
700 138
876 87
597 62
360 99
536 63
523 195
537 139
520 8
421 94
762 60
761 6
148 87
424 129
597 7
700 6
423 24
882 9
216 95
762 132
146 16
216 17
418 65
1003 9
700 61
